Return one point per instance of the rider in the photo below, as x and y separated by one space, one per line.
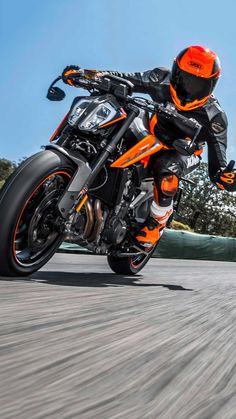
188 86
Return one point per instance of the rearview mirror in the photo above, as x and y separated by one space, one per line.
55 94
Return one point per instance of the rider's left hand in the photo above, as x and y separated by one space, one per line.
90 74
69 70
226 178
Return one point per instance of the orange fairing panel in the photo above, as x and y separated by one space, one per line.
153 122
147 146
59 127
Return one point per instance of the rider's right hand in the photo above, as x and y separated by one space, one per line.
226 178
69 70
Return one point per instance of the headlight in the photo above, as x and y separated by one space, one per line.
102 114
77 111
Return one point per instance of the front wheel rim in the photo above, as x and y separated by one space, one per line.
27 235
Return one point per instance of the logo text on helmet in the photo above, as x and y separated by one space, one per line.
195 64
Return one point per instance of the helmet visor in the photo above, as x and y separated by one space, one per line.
189 87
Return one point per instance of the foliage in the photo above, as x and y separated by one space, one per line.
6 168
205 208
2 183
177 225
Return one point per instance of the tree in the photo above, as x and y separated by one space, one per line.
6 168
205 208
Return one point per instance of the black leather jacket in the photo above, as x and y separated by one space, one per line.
211 116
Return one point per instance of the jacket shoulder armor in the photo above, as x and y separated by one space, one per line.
213 109
159 75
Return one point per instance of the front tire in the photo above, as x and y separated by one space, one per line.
28 208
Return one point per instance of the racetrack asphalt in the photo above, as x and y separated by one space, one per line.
78 341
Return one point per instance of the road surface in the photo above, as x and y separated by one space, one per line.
77 341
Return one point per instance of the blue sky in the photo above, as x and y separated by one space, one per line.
39 38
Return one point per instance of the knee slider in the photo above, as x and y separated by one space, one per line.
169 185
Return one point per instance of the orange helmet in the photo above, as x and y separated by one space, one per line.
194 75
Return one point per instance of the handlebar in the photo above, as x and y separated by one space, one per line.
81 79
149 105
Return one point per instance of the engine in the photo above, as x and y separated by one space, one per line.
99 225
86 147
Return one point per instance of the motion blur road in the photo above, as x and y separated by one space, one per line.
78 341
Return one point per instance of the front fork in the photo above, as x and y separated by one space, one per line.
75 194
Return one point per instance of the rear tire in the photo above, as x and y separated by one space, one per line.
21 192
129 265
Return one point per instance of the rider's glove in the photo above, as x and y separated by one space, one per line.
90 74
226 178
70 69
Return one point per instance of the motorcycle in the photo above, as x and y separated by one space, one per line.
92 184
